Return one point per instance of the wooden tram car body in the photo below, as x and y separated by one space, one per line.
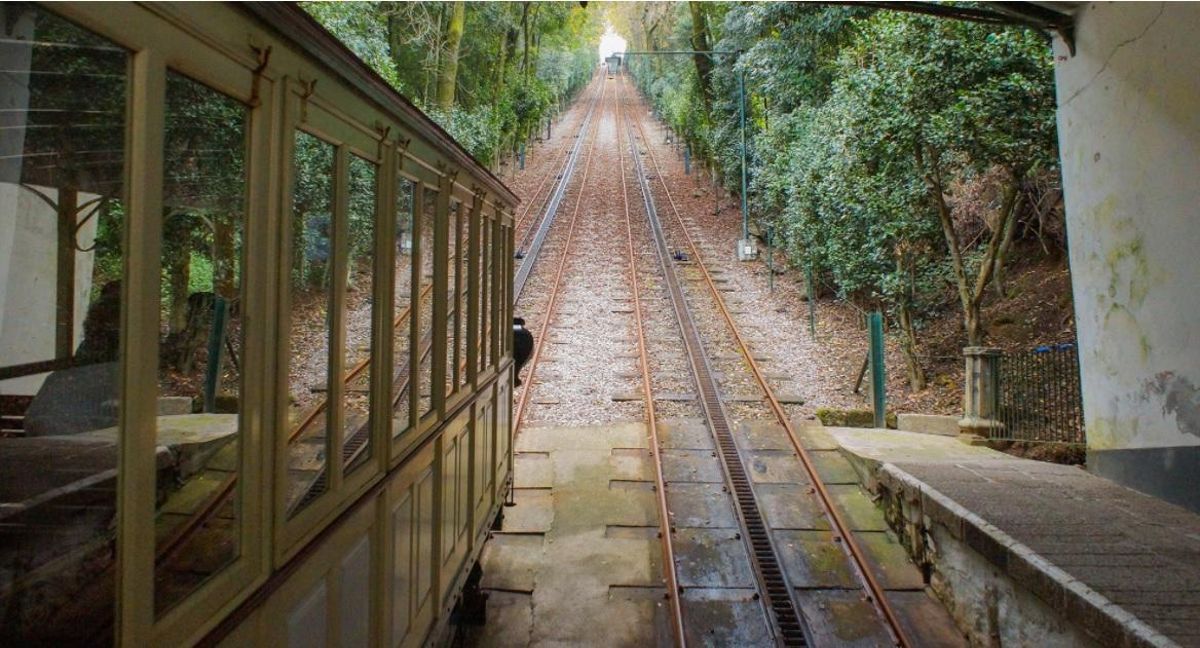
408 307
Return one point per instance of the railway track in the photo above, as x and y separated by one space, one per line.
563 256
531 247
783 620
523 225
790 627
786 621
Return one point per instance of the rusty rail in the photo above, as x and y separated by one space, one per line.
781 610
539 341
670 573
842 533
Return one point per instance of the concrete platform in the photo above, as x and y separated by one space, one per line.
1033 553
576 561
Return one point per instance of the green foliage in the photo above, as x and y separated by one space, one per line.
501 97
851 111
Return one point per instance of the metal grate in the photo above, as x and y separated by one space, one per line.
1039 396
774 587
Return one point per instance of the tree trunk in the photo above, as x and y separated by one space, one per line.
934 181
702 61
970 293
908 344
525 38
448 74
1005 245
501 59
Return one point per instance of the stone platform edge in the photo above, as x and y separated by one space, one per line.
917 506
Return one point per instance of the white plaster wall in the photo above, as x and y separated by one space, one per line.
1129 128
28 266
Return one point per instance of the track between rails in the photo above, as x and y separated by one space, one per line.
788 623
843 536
564 256
763 596
670 572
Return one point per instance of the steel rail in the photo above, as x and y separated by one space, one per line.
527 208
560 191
670 573
785 620
843 535
539 342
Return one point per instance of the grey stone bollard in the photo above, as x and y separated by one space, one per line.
981 394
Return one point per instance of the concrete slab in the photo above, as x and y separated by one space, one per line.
631 463
857 508
775 467
533 470
812 560
842 618
928 424
712 558
691 466
833 468
889 561
761 435
790 506
926 621
815 437
511 560
547 439
533 513
685 433
512 611
725 617
700 505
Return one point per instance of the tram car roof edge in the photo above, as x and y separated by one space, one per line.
296 26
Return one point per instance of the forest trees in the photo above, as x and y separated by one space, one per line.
489 73
895 153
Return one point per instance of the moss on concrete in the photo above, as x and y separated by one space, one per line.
858 418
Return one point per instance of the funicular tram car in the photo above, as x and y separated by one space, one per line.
255 360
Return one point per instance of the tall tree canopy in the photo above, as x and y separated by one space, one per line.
896 154
488 72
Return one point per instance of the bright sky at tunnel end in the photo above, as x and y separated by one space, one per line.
610 42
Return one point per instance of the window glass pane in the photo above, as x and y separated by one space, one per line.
485 266
452 278
402 307
310 287
200 332
62 217
464 283
425 324
360 312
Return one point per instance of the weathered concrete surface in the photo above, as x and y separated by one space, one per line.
1129 132
928 424
576 561
1035 553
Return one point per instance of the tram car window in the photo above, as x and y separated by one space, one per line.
254 387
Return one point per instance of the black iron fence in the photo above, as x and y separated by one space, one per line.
1039 396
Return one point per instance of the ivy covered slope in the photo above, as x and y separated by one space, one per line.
905 158
488 72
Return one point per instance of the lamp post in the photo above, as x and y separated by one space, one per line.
745 249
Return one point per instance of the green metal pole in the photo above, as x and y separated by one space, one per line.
742 115
878 380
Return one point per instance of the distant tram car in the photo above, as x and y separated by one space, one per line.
613 63
255 336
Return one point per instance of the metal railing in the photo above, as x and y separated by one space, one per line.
1039 396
